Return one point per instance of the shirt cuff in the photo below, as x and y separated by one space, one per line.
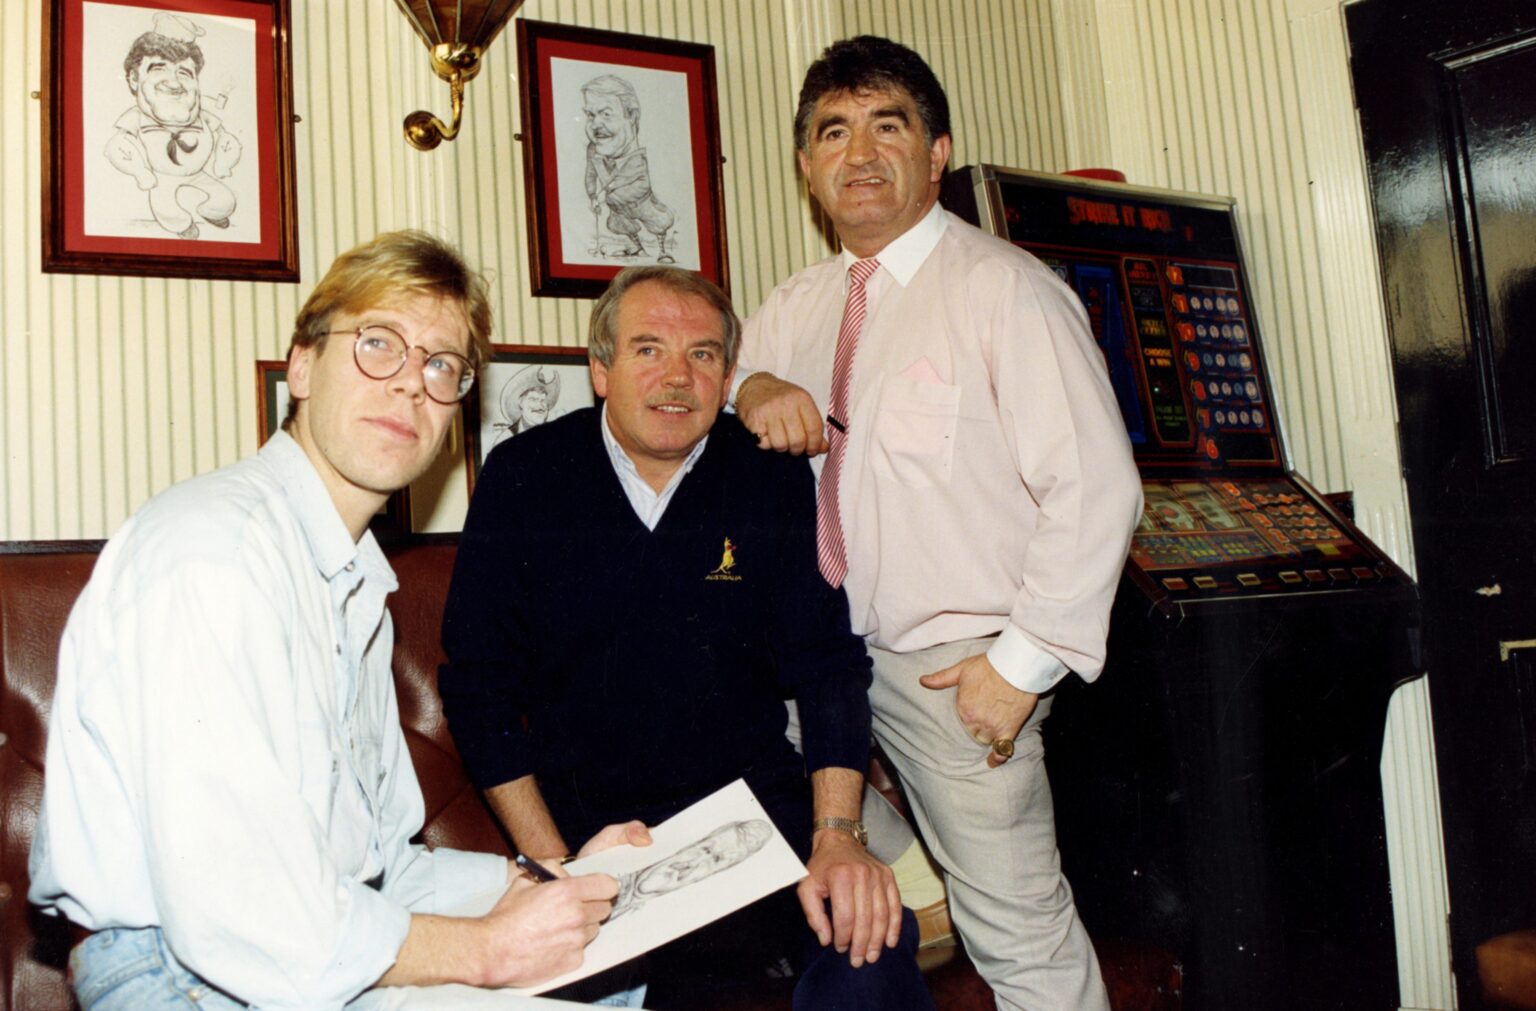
461 874
372 933
1023 664
742 375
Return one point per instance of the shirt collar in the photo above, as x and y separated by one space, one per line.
903 255
626 467
330 543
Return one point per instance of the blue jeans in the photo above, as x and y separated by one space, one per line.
632 997
134 970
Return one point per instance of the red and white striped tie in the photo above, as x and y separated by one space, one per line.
831 555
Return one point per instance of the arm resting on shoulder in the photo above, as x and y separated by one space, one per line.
783 416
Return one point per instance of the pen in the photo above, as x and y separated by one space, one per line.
538 870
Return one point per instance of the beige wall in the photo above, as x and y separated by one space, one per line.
114 388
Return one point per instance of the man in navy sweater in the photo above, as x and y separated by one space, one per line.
636 595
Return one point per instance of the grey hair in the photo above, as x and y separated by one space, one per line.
600 332
616 87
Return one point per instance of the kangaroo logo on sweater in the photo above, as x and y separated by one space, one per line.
725 571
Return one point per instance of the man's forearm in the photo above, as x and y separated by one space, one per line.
534 932
837 793
521 808
439 949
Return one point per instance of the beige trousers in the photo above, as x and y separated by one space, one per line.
994 833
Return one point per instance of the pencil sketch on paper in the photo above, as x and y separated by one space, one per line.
723 848
519 394
618 175
178 152
527 399
726 838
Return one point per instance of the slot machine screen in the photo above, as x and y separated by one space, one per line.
1161 277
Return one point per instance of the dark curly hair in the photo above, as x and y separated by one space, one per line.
865 63
155 44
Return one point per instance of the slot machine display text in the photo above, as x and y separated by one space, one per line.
1164 290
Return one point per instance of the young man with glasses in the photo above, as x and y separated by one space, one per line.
229 802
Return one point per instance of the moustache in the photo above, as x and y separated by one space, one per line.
687 400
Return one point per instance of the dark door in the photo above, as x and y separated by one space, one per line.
1447 99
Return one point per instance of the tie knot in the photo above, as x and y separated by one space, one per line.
862 270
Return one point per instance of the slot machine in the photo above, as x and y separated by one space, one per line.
1217 790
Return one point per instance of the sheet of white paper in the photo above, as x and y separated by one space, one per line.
726 839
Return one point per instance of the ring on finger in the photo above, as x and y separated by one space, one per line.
1002 747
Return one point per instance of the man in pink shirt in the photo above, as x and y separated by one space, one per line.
976 502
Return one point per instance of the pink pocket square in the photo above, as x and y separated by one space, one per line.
922 371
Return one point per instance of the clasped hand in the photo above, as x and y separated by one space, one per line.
866 905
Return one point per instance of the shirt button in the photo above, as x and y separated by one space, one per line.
351 566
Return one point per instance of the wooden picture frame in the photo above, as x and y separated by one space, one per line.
168 139
555 379
272 408
621 155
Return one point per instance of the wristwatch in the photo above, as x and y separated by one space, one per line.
854 828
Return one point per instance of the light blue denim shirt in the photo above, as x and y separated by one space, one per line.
225 759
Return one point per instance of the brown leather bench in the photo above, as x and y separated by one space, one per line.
38 586
1506 968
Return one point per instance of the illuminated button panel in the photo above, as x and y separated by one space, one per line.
1232 537
1216 353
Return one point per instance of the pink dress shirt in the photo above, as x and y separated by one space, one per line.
988 486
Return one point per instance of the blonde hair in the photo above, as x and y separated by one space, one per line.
389 267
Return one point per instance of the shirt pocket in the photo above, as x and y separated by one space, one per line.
914 436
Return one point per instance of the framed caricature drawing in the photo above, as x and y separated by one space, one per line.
621 155
168 139
523 385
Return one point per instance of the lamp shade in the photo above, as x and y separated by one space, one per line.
456 33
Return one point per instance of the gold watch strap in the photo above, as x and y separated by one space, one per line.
849 825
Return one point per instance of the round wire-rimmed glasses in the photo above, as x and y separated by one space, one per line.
380 353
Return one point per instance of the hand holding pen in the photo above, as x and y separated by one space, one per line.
535 870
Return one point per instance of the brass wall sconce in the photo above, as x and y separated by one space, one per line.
457 33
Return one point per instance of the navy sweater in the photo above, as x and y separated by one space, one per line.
634 671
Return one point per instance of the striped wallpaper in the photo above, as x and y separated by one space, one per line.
116 387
